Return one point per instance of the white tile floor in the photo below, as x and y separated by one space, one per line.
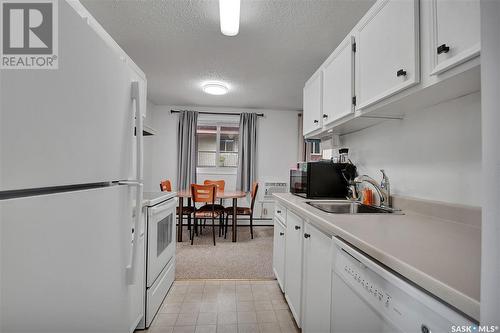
224 306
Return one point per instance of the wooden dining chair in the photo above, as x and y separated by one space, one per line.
166 186
221 184
245 211
205 194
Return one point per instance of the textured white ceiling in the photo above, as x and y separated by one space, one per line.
178 44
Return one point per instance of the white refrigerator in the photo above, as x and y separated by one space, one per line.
71 231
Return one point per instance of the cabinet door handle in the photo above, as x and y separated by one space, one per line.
297 227
278 211
325 116
282 233
316 121
307 235
443 49
401 72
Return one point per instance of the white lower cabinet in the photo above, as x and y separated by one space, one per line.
302 263
293 264
317 279
279 252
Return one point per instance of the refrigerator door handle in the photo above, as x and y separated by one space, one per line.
130 268
137 215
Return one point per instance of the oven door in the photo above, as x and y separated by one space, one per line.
161 238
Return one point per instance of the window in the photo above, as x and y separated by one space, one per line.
207 145
315 147
313 150
218 145
228 146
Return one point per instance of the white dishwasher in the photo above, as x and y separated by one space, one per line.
366 297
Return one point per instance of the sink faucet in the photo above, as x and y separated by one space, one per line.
383 190
385 184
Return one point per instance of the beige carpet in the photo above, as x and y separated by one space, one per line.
245 259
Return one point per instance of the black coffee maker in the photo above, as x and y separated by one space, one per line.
349 172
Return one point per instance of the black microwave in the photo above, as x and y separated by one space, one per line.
323 179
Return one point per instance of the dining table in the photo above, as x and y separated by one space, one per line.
234 195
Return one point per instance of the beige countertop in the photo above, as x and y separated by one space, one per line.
441 256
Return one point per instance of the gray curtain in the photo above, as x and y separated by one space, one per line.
247 149
187 149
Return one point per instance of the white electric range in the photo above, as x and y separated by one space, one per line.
159 209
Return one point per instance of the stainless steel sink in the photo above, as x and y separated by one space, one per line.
350 207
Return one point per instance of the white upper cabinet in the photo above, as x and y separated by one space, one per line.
313 103
338 82
387 55
455 33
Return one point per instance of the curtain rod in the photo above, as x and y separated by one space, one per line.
222 113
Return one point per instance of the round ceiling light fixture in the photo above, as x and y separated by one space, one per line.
215 88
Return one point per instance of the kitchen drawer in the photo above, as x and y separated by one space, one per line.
280 212
157 292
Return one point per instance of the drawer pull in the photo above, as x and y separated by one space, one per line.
282 233
325 116
307 235
297 227
401 72
278 211
443 49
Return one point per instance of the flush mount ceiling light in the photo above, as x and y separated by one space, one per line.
229 11
215 88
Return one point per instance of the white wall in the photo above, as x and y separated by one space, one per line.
277 145
490 81
432 154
